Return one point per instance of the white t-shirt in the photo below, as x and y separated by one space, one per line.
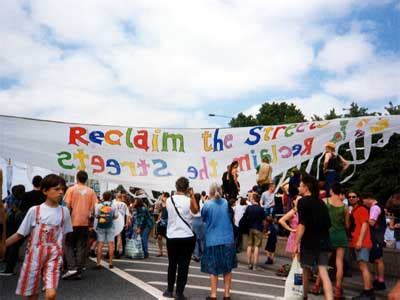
48 215
268 199
122 208
176 228
239 212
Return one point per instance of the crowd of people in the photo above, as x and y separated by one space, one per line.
327 227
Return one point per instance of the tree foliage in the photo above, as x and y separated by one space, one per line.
270 114
380 174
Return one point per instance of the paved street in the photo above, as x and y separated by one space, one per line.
146 279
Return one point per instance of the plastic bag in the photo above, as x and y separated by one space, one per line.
294 282
133 247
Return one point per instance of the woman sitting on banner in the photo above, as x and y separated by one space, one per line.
220 251
334 164
264 175
232 186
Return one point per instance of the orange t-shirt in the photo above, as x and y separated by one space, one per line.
360 215
81 199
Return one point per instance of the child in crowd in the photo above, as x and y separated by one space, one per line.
105 213
270 247
47 225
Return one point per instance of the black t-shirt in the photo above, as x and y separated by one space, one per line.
32 198
256 215
314 215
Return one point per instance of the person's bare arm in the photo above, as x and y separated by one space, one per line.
347 219
284 219
299 234
345 164
194 208
13 239
326 160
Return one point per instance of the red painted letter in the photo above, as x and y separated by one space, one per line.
75 133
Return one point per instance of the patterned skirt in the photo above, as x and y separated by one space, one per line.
219 260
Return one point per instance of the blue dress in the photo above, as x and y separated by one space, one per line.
219 255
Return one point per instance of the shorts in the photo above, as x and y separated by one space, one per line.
92 234
269 211
376 252
105 235
312 258
361 255
255 238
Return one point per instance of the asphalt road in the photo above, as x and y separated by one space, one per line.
147 279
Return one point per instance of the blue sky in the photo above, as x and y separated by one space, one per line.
170 64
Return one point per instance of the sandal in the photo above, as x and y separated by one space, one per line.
283 270
316 290
338 294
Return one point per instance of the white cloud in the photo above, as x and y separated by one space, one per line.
377 80
77 60
345 51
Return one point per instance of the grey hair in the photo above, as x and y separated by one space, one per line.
215 191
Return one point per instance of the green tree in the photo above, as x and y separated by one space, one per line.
279 113
380 174
393 109
270 114
315 118
355 111
243 121
332 115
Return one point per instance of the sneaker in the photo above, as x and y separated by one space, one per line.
6 273
250 266
255 268
70 274
168 294
379 285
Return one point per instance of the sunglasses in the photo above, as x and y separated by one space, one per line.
353 197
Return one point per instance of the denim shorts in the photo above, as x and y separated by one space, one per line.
105 235
362 254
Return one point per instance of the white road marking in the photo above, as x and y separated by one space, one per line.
136 281
208 277
198 268
197 287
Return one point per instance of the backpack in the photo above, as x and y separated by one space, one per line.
105 216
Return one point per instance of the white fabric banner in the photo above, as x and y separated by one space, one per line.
153 158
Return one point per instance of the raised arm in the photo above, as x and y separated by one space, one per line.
194 208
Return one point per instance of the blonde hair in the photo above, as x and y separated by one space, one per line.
215 191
